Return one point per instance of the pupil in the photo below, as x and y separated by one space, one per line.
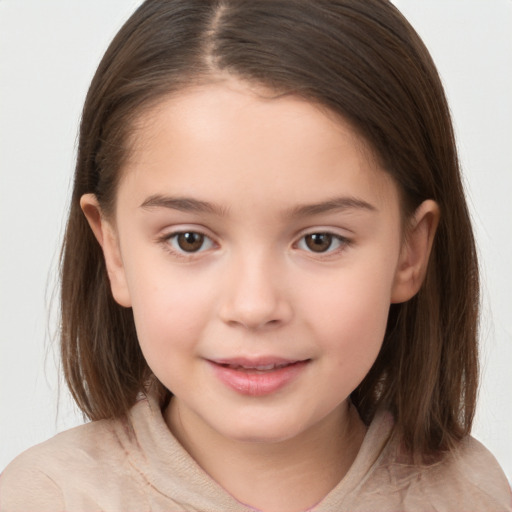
190 242
319 242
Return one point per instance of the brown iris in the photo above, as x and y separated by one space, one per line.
190 241
318 242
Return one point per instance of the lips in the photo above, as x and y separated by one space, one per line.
257 377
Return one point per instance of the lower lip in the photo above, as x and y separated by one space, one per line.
258 383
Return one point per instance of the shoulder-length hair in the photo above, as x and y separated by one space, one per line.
361 60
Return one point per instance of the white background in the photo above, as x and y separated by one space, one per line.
48 53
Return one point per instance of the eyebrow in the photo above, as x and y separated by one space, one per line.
184 204
187 204
336 203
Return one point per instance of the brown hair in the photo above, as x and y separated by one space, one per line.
361 60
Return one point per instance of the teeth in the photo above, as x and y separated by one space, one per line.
262 368
266 367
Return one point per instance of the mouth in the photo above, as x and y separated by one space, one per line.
258 377
257 367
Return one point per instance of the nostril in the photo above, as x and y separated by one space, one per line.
252 324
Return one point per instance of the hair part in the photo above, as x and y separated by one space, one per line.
360 60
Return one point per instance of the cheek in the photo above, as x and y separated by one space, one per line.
169 312
350 315
354 344
169 322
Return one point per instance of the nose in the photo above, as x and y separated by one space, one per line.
255 295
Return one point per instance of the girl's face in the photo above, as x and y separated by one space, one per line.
260 247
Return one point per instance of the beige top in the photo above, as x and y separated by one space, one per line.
137 465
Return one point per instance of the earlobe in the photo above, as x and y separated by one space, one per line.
415 253
107 237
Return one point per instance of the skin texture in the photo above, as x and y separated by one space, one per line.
254 287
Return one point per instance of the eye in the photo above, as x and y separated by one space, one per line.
189 242
321 242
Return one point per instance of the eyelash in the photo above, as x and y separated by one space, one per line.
168 240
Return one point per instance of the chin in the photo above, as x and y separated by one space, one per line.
251 430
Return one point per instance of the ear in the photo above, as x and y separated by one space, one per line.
107 237
415 252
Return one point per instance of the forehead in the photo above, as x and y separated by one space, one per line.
234 134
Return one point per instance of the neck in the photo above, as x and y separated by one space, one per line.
290 475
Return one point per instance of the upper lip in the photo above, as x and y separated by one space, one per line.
264 362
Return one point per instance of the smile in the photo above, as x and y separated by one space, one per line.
257 378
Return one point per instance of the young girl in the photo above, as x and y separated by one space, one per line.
269 280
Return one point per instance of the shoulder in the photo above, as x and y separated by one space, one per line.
37 479
24 486
468 479
472 474
385 478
